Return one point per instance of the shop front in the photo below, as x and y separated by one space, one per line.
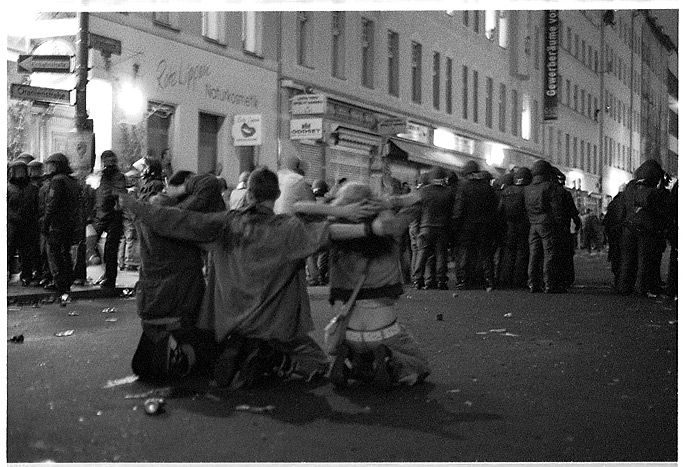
206 112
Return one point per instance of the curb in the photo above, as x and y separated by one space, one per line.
88 294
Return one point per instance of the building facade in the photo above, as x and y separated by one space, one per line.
378 96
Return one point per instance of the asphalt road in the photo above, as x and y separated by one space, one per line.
586 376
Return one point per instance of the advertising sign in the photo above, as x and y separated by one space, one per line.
306 128
551 66
391 126
416 132
308 104
247 130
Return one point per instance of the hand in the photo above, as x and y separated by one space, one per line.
358 212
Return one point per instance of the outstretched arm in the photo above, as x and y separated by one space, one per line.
385 224
177 223
353 212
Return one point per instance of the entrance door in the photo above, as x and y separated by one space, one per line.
209 126
159 124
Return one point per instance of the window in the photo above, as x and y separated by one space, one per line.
503 29
465 18
303 37
568 92
595 109
477 20
595 62
502 96
583 101
574 161
526 118
489 102
588 157
583 156
576 39
583 52
367 53
515 112
416 72
595 159
590 56
214 26
338 45
436 80
393 63
475 96
465 92
490 24
252 32
537 52
536 123
558 154
576 97
567 161
166 18
568 39
551 144
448 85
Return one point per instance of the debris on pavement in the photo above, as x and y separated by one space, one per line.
497 330
154 406
439 317
111 320
118 382
73 313
109 310
453 391
508 315
65 299
510 334
254 409
16 339
65 333
158 392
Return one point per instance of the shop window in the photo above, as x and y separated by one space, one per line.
252 32
338 46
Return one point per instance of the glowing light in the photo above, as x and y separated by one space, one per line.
131 100
496 154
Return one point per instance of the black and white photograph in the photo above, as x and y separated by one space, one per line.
332 232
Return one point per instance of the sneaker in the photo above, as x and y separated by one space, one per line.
228 362
251 370
382 367
180 358
430 286
339 372
418 285
534 289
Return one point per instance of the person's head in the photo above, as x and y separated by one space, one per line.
522 176
243 177
293 162
437 173
109 159
36 169
57 163
177 183
650 172
469 168
223 184
319 188
25 157
263 186
352 192
17 171
541 168
152 170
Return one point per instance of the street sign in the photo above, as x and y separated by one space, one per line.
306 128
308 104
391 126
32 93
44 64
105 44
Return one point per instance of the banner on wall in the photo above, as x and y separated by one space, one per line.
247 130
551 67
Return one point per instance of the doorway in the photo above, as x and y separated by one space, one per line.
159 129
209 126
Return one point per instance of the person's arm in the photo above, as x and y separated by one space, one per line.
355 212
385 224
177 223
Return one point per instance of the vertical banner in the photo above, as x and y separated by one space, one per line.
551 67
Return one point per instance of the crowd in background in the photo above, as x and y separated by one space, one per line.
519 230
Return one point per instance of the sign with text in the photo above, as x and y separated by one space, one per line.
391 126
247 130
308 104
104 44
551 66
306 128
44 64
32 93
416 132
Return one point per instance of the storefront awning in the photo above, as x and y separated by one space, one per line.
427 155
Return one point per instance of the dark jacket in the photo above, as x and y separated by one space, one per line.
203 194
436 205
61 221
22 203
475 202
538 200
564 208
512 204
107 195
644 207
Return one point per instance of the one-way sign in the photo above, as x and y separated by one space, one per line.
33 93
44 64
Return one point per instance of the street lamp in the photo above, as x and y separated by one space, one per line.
131 99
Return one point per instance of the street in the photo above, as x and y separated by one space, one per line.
587 376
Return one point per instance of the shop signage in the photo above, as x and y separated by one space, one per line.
391 126
247 130
106 45
551 66
306 128
308 104
44 64
416 132
32 93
